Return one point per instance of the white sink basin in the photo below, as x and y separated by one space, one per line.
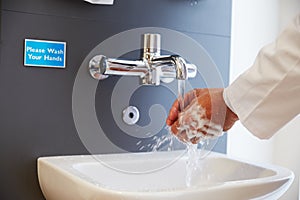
160 175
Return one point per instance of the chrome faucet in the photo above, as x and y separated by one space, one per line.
152 69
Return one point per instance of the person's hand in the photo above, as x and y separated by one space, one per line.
205 115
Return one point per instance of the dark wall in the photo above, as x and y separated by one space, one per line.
36 103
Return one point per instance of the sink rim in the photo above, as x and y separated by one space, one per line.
67 169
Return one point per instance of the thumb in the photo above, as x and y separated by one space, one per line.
174 127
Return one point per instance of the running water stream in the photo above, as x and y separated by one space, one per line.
192 149
191 163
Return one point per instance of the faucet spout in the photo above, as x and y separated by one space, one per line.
180 68
175 66
174 63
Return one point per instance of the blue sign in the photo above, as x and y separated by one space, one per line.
43 53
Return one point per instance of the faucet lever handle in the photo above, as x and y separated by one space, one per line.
97 67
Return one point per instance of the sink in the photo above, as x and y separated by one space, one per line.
159 175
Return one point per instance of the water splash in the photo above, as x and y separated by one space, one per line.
194 2
164 142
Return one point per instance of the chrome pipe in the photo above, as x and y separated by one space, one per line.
152 69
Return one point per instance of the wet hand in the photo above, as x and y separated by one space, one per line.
205 115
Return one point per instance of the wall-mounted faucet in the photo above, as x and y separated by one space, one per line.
152 69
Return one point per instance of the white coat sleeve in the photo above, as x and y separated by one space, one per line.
267 95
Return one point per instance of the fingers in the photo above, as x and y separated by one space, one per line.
173 114
191 126
177 108
180 135
174 128
195 140
186 137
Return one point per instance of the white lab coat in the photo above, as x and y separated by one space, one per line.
267 95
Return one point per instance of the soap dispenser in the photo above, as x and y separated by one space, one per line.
101 2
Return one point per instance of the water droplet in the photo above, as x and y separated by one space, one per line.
194 2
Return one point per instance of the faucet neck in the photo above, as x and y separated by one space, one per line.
151 46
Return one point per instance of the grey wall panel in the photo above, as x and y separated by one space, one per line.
36 103
208 16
